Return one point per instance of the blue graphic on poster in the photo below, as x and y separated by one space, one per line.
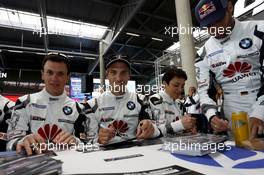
237 158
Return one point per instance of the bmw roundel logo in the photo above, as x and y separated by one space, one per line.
131 105
67 110
245 43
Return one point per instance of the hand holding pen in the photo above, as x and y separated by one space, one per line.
218 124
145 129
188 121
106 134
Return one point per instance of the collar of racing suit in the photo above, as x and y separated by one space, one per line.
115 97
234 32
3 100
51 98
167 98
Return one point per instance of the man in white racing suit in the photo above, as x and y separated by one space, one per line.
49 115
166 106
5 113
232 54
5 106
192 102
118 115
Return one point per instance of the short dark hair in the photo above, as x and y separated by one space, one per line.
57 57
172 72
121 60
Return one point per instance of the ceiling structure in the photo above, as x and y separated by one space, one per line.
122 19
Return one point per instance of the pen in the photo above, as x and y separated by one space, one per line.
102 126
123 157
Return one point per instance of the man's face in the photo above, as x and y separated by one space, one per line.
175 87
222 28
55 77
118 76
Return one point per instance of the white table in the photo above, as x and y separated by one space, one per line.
153 158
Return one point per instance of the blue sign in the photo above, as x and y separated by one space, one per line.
234 154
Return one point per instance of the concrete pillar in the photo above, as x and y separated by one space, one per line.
184 19
102 65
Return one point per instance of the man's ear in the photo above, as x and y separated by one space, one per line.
106 74
68 78
230 8
165 83
42 75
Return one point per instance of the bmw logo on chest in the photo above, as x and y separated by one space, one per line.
245 43
131 105
67 110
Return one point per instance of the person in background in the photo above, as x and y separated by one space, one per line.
6 106
192 102
219 96
192 106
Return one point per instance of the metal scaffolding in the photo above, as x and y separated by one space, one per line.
173 58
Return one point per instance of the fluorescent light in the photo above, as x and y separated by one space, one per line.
38 53
89 58
132 34
19 19
58 26
175 46
15 51
157 39
79 56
